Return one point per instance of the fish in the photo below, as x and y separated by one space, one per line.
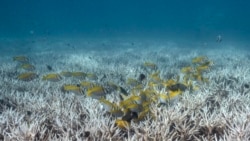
86 84
53 77
111 108
78 74
27 76
133 107
155 76
130 116
169 83
150 65
21 59
49 67
143 114
152 84
165 98
136 89
177 86
122 124
27 67
96 92
91 76
112 86
123 91
146 95
199 77
199 59
201 69
142 77
187 70
72 88
132 82
208 63
66 73
173 94
133 104
134 99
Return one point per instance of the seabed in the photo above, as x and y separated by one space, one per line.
37 109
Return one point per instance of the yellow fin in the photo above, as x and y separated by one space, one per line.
52 77
96 92
72 88
122 124
28 76
173 94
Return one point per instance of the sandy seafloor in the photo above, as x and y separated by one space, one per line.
39 110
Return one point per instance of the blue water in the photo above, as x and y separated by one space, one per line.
195 19
113 39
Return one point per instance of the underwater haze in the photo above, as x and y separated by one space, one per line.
124 70
193 19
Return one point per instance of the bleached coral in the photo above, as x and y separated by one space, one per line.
39 110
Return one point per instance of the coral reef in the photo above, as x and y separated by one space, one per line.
34 109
